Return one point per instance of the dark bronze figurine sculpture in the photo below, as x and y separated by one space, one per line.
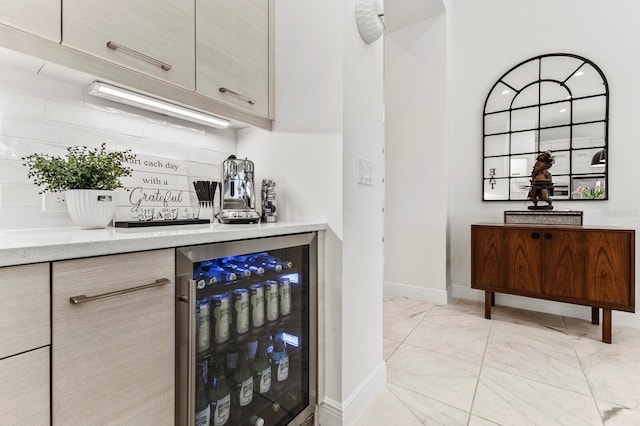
541 183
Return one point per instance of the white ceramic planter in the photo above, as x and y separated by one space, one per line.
90 208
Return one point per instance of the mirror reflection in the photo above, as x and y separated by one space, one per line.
557 103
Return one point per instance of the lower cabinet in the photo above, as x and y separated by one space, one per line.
24 345
587 266
24 388
113 347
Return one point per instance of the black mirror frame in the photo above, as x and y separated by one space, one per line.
602 153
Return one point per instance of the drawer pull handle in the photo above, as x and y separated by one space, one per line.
535 235
237 95
115 46
82 298
548 236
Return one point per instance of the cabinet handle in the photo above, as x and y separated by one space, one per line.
82 298
548 236
115 46
237 95
535 235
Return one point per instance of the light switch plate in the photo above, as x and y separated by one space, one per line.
365 172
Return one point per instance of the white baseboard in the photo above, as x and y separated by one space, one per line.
335 413
414 292
330 413
626 319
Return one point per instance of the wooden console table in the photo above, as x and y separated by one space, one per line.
586 266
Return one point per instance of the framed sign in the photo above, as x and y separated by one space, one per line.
158 189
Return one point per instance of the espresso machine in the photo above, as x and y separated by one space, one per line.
238 196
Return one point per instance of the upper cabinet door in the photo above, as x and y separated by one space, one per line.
38 17
154 37
232 53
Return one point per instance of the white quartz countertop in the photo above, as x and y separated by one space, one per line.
44 245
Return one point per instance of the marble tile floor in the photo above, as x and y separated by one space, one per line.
448 365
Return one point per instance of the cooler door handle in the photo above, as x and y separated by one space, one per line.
74 300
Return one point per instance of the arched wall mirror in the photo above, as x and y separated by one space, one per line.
556 102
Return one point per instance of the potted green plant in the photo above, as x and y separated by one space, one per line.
87 176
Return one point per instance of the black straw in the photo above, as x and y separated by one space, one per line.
205 189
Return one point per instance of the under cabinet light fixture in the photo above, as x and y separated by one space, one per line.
118 94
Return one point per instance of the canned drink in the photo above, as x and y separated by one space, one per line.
240 301
271 300
256 299
284 291
220 316
202 321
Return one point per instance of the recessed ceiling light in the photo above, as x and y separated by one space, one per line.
506 91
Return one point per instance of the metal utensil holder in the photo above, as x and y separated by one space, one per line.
269 210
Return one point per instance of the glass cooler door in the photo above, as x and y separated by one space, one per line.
246 332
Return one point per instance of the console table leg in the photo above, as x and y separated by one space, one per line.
606 325
595 315
493 298
488 298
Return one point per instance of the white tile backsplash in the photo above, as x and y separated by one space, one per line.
13 148
13 172
43 114
21 104
91 118
42 87
147 146
19 195
52 131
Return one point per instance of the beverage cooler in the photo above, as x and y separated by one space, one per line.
246 332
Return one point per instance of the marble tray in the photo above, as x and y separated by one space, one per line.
543 217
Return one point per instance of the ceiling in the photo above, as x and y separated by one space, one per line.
401 13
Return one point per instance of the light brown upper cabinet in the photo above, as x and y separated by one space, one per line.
41 18
232 53
152 37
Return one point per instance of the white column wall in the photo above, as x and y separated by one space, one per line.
364 371
329 110
416 160
303 153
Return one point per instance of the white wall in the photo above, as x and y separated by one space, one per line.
44 110
329 112
491 36
303 153
416 160
363 219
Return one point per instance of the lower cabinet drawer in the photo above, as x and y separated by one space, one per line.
24 389
24 308
113 346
